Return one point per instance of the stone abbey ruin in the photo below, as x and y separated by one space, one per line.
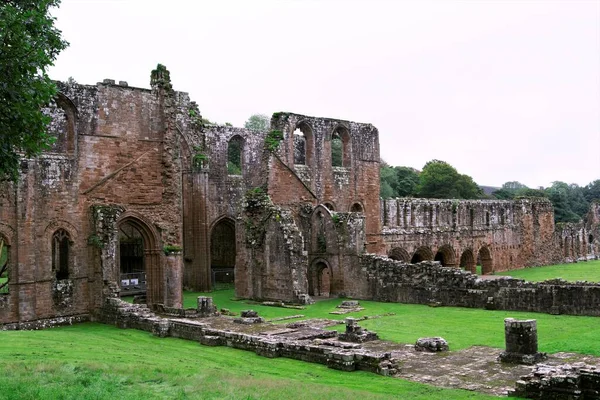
135 197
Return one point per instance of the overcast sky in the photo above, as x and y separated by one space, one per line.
502 90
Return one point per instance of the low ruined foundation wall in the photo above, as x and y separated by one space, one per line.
131 316
382 279
45 323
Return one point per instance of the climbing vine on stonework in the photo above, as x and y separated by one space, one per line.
273 140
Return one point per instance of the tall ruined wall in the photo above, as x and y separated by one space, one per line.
352 185
503 235
116 147
579 241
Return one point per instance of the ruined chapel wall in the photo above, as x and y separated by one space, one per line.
516 233
356 182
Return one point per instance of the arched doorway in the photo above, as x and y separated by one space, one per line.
131 260
222 254
445 256
484 260
139 244
422 254
319 284
467 261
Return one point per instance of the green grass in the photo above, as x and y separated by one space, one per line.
581 271
462 327
94 361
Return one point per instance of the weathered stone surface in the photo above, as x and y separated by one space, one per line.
289 223
431 344
521 342
563 382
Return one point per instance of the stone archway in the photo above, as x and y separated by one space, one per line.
142 252
319 279
445 255
484 259
399 254
423 253
223 252
467 261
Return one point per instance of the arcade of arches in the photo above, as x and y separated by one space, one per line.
446 256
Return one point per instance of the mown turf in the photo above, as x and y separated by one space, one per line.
581 271
462 327
94 361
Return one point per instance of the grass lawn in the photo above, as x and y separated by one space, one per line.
581 271
462 327
94 361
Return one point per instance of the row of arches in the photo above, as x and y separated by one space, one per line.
304 145
469 261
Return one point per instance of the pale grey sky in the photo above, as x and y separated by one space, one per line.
502 90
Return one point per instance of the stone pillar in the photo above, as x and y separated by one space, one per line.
173 272
205 307
521 342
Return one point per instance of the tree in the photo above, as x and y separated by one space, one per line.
258 122
408 181
29 44
440 180
591 191
388 180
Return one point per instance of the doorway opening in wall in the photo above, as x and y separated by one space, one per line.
222 255
131 260
484 261
319 284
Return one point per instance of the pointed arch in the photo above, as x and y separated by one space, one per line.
223 251
304 144
62 254
341 147
235 155
148 256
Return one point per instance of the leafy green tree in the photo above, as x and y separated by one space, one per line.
558 194
258 122
29 44
407 181
591 191
388 181
438 179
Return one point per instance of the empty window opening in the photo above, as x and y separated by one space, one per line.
131 260
61 244
337 150
299 147
487 218
356 207
222 254
4 271
234 156
472 217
